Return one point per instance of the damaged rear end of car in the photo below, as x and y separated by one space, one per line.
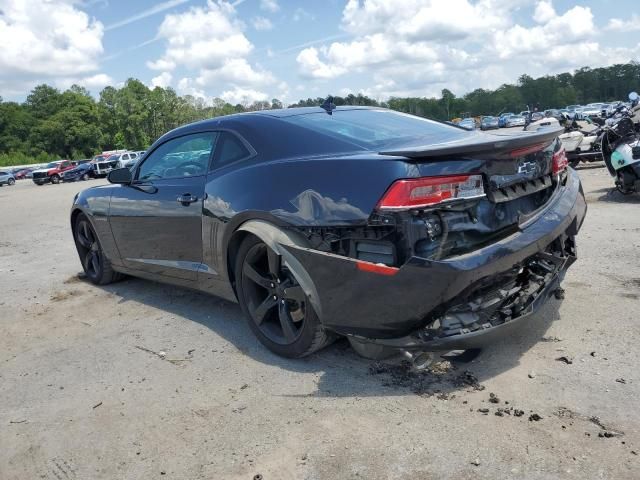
471 242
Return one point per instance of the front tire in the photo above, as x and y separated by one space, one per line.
11 182
275 305
55 179
95 264
85 177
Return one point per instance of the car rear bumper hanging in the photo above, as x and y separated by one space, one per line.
397 307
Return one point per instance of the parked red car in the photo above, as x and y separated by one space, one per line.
52 172
22 174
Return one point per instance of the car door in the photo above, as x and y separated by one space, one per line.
157 220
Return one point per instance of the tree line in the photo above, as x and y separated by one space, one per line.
53 124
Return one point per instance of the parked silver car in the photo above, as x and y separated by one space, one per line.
125 159
7 178
516 121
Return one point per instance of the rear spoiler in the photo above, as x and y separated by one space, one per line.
480 142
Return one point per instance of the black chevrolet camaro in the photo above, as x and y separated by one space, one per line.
393 230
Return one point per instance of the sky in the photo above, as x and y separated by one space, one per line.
248 50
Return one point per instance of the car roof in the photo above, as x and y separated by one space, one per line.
258 127
277 113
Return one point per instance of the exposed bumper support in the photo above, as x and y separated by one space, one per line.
481 334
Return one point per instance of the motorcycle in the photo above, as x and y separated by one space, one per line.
580 145
620 146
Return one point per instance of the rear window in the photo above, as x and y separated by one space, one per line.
229 149
373 128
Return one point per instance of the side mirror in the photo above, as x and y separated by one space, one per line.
120 176
633 97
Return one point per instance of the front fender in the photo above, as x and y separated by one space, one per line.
94 203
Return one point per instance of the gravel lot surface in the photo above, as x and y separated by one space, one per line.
87 394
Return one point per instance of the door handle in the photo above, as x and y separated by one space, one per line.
187 199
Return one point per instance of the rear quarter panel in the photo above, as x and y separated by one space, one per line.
337 191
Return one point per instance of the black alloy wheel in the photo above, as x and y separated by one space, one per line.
86 238
94 263
277 308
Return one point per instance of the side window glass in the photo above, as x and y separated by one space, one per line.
186 156
229 149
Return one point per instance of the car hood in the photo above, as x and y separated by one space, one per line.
42 170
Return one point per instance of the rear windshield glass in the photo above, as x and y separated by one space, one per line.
373 128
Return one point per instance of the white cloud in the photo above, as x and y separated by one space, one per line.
261 23
544 11
620 25
421 19
269 5
574 27
202 38
43 40
186 87
97 82
418 47
244 96
91 82
283 92
395 33
163 80
236 71
209 43
312 66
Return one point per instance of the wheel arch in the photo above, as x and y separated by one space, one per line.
274 237
74 216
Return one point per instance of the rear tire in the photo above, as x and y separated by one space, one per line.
55 179
278 311
85 177
95 264
11 182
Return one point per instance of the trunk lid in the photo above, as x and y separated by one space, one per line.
514 164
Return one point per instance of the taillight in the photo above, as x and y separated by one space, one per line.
426 191
560 161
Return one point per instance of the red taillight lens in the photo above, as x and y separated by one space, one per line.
426 191
560 161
